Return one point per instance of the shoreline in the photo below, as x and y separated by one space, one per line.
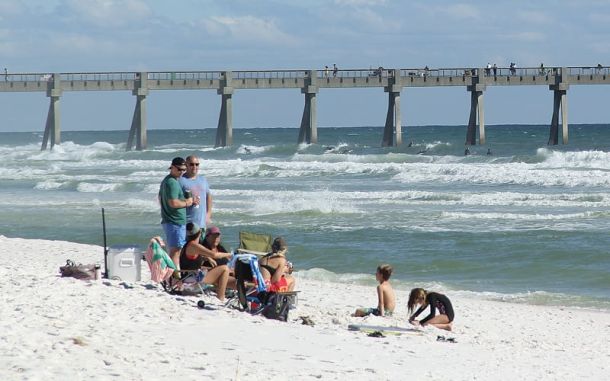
64 328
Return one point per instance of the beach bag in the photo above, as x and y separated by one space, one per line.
276 306
80 271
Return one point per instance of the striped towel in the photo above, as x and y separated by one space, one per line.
160 264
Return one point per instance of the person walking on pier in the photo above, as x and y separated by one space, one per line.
495 69
488 69
335 70
326 71
5 75
513 69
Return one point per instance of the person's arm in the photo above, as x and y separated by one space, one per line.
380 301
174 192
419 311
431 299
203 251
176 203
208 203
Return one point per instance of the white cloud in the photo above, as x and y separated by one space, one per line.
462 11
247 28
375 21
108 13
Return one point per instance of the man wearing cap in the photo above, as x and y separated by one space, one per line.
173 209
201 210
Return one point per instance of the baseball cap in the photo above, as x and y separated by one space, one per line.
178 162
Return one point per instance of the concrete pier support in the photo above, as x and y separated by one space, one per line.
308 133
138 122
477 111
560 101
52 130
392 132
224 131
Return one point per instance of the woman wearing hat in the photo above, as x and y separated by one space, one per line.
212 242
193 255
276 269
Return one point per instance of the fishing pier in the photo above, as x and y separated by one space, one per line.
309 82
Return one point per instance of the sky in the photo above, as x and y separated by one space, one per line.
44 36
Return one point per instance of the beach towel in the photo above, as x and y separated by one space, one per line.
161 265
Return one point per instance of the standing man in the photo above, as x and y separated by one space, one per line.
201 210
173 209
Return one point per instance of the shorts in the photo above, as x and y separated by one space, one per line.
175 235
279 286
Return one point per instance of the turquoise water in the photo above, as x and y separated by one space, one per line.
528 223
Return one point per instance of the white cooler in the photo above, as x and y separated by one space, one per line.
124 263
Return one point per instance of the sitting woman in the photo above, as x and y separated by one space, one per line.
212 243
193 255
276 269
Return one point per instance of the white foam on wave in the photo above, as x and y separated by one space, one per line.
249 149
48 185
575 159
273 202
514 216
501 174
97 187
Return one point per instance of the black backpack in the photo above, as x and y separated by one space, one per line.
276 306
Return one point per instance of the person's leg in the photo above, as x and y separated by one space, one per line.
219 277
440 321
290 282
175 236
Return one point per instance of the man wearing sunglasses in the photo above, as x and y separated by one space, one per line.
191 181
173 209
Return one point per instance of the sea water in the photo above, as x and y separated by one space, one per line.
528 223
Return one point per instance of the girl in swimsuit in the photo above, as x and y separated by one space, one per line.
436 301
276 269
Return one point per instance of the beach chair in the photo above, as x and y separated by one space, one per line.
162 268
254 243
252 293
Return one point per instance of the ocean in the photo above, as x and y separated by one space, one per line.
527 224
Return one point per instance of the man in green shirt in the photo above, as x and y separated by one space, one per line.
173 209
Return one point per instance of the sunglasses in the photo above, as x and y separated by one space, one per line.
180 169
193 164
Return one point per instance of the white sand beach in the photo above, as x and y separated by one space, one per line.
54 328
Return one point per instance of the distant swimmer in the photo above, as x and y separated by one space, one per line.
329 148
489 152
410 144
466 151
422 151
247 150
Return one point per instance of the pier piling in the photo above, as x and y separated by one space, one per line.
308 132
52 130
224 131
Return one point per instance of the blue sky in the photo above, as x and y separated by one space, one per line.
159 35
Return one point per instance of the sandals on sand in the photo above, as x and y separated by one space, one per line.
447 339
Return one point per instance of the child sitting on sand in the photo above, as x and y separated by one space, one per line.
436 301
386 301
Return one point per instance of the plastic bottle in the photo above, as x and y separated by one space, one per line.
98 272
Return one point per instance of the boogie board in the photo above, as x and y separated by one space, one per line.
385 329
